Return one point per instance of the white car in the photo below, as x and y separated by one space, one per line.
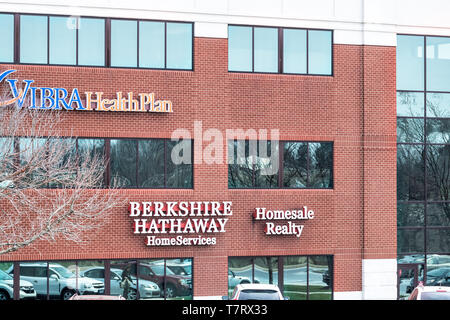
6 288
430 293
147 289
256 291
62 282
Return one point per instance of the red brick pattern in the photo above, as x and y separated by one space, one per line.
354 108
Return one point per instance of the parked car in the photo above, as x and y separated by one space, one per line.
6 288
96 297
62 282
180 269
435 277
422 292
234 279
174 285
256 291
147 289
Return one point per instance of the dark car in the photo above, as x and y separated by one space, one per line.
173 286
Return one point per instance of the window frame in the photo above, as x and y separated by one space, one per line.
281 167
280 51
107 41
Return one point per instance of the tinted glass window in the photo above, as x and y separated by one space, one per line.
321 165
294 51
124 162
91 42
266 166
410 104
7 36
179 164
240 174
410 63
63 40
410 172
438 240
123 43
151 163
33 39
410 214
266 49
320 281
438 105
438 168
295 162
438 214
179 45
320 52
240 50
438 63
438 130
410 130
151 44
410 240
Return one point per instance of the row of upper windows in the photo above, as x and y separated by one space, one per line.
86 41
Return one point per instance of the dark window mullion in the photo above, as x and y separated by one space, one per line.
16 57
280 50
165 48
307 51
253 49
137 44
76 39
48 39
107 42
137 163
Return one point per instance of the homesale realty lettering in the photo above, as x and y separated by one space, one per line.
290 228
182 218
44 98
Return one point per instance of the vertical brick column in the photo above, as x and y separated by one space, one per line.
379 167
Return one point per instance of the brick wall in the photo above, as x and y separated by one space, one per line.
352 221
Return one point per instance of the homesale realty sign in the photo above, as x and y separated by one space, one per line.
45 98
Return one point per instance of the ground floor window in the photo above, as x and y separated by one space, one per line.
298 277
132 279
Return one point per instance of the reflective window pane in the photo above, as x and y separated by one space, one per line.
410 104
266 270
321 165
410 172
91 42
151 44
92 150
295 165
438 105
34 274
410 62
151 273
267 163
123 280
438 63
240 167
33 39
178 281
438 214
294 51
179 45
320 52
295 275
91 275
7 36
319 277
266 49
410 240
438 131
438 272
410 130
123 162
7 282
123 43
151 163
409 259
438 168
240 270
438 240
240 52
410 214
63 40
179 164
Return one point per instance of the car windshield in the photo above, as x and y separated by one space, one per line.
159 270
63 272
4 276
435 296
250 294
180 270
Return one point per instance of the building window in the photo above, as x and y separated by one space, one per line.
102 42
260 164
423 154
7 36
166 279
279 50
129 163
298 277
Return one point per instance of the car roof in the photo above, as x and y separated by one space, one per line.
434 289
258 286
